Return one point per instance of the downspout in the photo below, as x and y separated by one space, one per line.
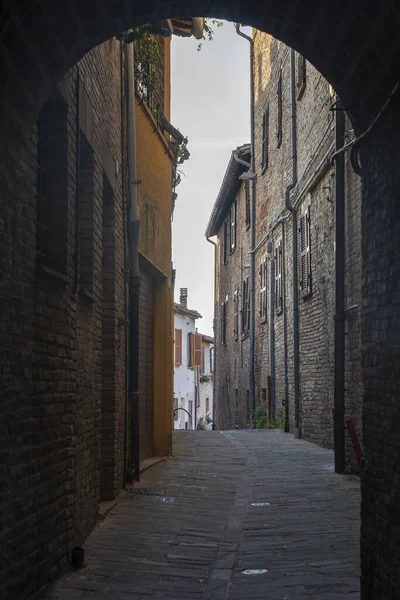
292 210
272 334
134 272
215 333
339 376
252 223
77 177
285 341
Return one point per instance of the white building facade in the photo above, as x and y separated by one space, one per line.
205 408
185 372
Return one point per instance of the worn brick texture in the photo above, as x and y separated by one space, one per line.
315 188
232 407
63 407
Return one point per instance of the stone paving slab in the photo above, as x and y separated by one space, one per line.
196 547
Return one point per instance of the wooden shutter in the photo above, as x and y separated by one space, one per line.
247 191
280 111
233 226
303 254
236 314
265 139
178 347
207 405
308 248
305 251
278 278
197 355
190 349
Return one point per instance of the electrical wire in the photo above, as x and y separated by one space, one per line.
354 143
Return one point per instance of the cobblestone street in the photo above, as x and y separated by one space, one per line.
205 525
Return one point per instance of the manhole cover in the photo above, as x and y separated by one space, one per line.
260 504
254 571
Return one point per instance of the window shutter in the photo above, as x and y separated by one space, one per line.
303 253
191 349
265 139
235 314
308 248
178 347
203 359
280 111
197 354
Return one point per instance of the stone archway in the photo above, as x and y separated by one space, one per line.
355 46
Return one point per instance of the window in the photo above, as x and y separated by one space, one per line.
207 405
236 313
305 252
194 349
301 75
52 186
149 75
265 139
263 290
225 242
212 359
246 306
223 323
233 226
247 193
203 359
280 112
278 277
178 347
176 416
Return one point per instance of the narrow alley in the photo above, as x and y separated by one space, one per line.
224 503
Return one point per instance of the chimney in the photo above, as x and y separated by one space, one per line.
183 297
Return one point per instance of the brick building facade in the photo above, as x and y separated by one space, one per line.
67 446
313 199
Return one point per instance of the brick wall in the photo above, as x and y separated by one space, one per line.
315 189
232 358
70 340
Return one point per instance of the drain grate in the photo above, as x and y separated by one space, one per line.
147 492
152 495
260 504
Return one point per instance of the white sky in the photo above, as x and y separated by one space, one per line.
210 104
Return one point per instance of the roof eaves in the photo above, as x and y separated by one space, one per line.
229 188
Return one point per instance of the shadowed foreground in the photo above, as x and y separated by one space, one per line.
197 527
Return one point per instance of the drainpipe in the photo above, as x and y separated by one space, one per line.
215 333
272 334
292 210
285 342
134 272
252 222
339 391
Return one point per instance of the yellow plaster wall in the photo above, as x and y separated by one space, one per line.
154 170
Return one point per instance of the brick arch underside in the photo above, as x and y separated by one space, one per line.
355 46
